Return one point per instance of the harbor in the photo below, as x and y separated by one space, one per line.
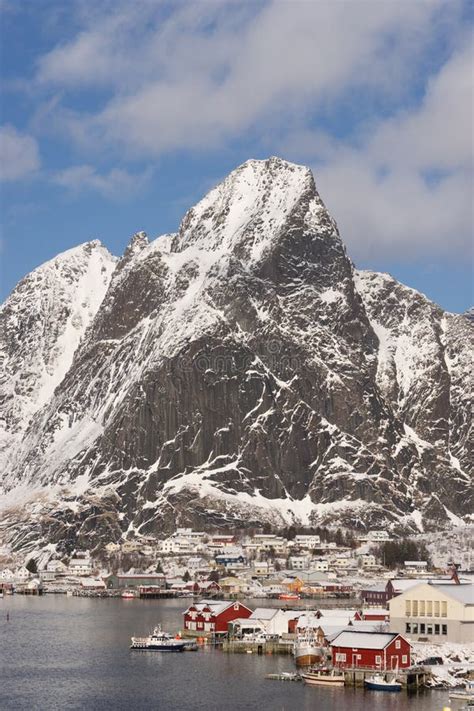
83 644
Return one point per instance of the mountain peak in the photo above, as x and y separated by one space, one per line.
247 210
138 243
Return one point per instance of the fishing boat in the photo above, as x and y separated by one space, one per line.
288 596
306 650
158 641
129 595
378 682
323 677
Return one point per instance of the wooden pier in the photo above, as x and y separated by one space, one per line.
410 678
155 593
237 646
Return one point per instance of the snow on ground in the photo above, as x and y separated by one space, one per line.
458 660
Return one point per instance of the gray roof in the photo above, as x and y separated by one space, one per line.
461 593
264 613
364 640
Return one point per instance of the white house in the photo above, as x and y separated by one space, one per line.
262 567
6 575
56 566
307 542
197 563
299 562
367 560
267 542
22 574
344 563
80 566
439 613
265 620
320 564
417 565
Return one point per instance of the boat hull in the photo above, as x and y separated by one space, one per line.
322 680
158 648
377 686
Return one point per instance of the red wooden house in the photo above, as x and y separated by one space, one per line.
372 650
213 616
375 615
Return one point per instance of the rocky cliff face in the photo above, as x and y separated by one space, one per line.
241 371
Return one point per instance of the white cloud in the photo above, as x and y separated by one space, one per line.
207 72
405 191
198 76
19 154
115 184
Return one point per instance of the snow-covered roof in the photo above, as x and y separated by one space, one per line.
264 613
461 593
341 622
375 611
216 606
403 584
364 640
338 613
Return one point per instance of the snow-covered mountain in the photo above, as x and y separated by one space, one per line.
238 371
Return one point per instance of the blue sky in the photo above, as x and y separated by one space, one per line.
118 116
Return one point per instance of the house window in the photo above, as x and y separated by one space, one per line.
408 628
414 628
404 659
407 608
422 628
444 629
436 608
236 606
429 608
340 657
414 608
436 629
444 609
397 644
421 611
429 629
378 659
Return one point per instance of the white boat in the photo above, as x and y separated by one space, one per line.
323 677
306 649
129 595
158 641
378 682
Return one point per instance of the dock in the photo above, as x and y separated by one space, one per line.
237 646
411 679
152 593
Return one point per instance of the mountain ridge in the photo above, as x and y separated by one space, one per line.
241 370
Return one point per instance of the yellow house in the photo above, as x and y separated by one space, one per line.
439 613
232 585
293 584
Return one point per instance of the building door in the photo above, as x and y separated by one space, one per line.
393 661
354 660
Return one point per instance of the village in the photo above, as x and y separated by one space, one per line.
357 600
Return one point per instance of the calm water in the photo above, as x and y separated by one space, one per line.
59 653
